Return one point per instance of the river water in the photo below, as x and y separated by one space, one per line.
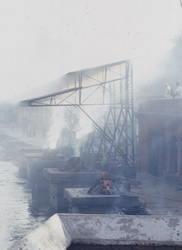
16 219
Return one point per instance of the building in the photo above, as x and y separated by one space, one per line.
160 137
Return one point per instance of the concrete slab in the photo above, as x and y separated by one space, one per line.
80 197
57 175
115 230
123 229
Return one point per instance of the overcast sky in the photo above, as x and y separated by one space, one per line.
44 39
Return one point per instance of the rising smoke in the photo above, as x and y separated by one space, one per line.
57 124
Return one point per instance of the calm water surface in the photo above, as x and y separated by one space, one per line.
16 219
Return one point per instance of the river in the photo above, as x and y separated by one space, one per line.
16 219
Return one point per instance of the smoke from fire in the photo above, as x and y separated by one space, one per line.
57 124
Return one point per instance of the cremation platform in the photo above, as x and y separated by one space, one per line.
36 180
26 156
82 202
34 169
59 180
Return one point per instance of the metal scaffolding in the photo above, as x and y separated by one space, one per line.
109 86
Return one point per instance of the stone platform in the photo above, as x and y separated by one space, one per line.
82 202
58 180
25 156
36 180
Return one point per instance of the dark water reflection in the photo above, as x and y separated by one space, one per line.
16 219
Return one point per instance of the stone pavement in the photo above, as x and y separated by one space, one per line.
160 196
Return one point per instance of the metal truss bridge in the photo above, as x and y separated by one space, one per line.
110 88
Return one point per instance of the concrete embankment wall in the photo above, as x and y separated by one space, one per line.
121 232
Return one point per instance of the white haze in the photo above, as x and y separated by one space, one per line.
57 124
86 125
42 39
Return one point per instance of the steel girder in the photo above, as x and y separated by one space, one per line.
85 87
116 130
110 86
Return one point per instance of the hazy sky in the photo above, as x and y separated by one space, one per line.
43 39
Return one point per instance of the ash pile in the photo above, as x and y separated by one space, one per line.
76 164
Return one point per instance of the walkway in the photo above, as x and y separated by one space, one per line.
161 197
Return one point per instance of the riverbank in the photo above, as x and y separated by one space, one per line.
16 218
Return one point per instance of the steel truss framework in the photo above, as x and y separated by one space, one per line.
110 86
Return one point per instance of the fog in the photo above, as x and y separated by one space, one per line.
42 40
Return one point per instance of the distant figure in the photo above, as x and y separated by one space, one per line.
168 93
178 91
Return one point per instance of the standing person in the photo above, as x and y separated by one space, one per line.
178 91
168 91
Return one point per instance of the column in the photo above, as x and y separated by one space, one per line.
168 153
143 144
179 159
162 153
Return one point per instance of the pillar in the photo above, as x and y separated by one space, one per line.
168 153
179 160
143 144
